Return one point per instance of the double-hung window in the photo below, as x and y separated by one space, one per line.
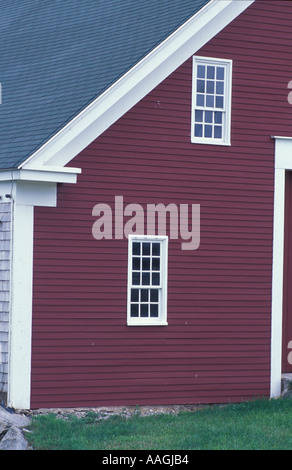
147 280
211 101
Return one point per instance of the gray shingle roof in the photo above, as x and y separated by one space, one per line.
59 55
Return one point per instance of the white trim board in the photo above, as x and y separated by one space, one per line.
19 368
44 174
137 83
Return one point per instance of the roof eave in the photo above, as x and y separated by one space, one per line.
41 174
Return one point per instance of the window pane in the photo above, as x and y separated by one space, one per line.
154 295
209 116
134 295
200 100
146 264
154 310
144 295
146 248
146 279
218 132
199 116
144 310
218 117
201 70
136 264
134 310
210 71
210 101
210 87
208 131
220 73
220 88
200 86
198 130
156 264
219 101
136 248
136 279
155 279
156 246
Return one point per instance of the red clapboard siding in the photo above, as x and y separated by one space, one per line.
216 347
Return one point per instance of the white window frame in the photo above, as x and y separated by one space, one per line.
161 320
226 128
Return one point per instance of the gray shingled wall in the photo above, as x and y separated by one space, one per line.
5 256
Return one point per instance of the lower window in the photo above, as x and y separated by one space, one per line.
147 280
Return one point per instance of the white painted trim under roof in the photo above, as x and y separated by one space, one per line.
137 83
45 174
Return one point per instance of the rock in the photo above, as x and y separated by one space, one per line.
14 419
3 427
13 439
287 386
11 425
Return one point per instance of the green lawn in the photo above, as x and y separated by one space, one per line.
257 425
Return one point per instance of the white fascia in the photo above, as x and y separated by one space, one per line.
283 162
137 83
44 174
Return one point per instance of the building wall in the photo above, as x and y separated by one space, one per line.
5 258
216 347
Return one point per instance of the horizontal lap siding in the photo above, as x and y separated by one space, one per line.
216 347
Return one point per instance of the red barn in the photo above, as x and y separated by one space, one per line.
145 202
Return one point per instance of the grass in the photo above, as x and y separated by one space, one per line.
257 425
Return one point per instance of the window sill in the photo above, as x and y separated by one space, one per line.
210 142
150 323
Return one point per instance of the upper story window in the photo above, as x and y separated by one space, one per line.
147 280
211 101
